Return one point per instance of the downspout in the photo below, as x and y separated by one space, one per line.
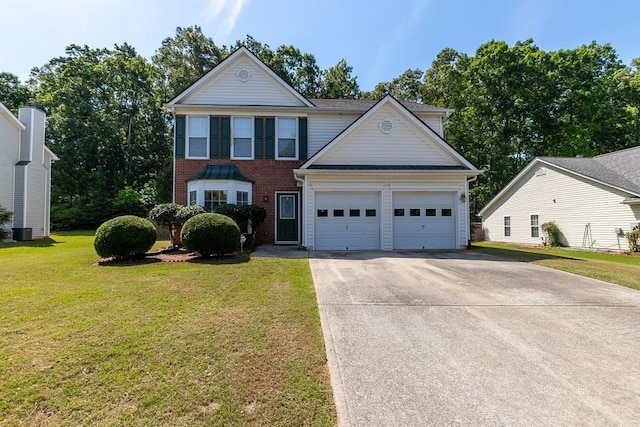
468 213
302 182
173 150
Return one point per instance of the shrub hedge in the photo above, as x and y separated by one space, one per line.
125 237
210 234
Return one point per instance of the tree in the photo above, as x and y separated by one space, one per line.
106 125
184 58
13 94
337 82
408 86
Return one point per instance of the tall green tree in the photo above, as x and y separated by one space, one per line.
408 86
338 82
184 58
13 93
106 125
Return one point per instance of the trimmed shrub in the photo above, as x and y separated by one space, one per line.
187 212
5 218
554 237
125 237
210 234
633 237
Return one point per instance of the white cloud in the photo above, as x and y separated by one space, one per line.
224 14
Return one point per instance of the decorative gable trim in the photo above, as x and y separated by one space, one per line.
224 64
388 99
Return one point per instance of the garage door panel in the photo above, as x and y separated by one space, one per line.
423 220
347 221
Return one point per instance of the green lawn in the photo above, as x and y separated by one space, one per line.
158 343
620 269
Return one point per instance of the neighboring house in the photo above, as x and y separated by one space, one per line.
332 174
594 201
25 172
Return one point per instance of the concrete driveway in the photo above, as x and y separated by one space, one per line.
461 338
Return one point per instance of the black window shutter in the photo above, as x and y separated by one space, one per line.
225 124
259 138
214 137
180 136
270 138
302 138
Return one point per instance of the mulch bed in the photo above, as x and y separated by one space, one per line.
177 255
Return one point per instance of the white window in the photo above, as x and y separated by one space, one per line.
507 226
535 228
287 135
242 198
198 140
193 197
242 144
214 198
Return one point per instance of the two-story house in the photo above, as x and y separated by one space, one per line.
25 172
333 174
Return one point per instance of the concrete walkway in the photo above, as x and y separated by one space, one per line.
460 338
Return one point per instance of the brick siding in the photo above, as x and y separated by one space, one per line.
269 176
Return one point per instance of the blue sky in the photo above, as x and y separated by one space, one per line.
379 38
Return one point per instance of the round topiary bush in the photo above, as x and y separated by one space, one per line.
125 237
210 234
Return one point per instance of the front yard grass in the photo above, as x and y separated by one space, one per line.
620 269
159 343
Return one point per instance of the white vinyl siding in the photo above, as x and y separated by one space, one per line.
226 89
572 202
323 128
10 148
405 144
197 137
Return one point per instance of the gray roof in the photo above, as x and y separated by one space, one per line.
619 169
362 105
229 172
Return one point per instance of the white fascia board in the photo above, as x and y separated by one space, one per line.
51 154
507 187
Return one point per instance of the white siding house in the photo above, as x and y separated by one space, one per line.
350 173
25 171
594 201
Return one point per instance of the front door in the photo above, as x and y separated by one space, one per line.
287 218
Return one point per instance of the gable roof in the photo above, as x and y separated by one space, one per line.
618 170
363 105
202 81
4 111
463 163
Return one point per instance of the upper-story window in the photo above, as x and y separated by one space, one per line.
242 141
198 141
287 136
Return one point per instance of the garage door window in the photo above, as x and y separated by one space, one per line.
338 212
430 212
446 212
354 212
398 212
414 212
370 212
323 213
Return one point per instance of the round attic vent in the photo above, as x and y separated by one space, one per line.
243 74
385 126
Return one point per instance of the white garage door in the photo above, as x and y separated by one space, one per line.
424 220
347 220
